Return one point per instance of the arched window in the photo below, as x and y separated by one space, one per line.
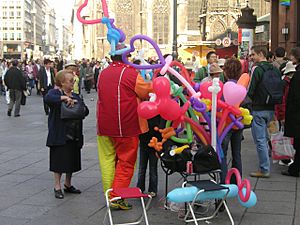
161 16
217 28
124 17
193 14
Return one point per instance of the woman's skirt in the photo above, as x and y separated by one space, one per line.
65 158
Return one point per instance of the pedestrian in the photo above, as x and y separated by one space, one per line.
292 112
279 61
204 71
73 66
46 77
148 154
120 89
265 91
232 71
96 70
36 69
16 84
65 137
215 71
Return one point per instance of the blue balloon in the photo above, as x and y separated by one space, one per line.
187 194
180 195
251 202
233 190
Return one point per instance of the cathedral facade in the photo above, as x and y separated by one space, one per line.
197 20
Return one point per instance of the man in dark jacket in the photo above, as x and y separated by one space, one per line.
292 119
46 77
263 112
15 82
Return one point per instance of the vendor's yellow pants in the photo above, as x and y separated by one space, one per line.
117 157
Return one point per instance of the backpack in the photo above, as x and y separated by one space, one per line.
271 86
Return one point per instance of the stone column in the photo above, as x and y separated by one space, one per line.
182 18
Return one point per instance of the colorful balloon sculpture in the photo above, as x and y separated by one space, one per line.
203 112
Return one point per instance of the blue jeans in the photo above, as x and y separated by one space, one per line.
147 154
260 122
235 139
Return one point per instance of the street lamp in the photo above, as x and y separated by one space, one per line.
174 48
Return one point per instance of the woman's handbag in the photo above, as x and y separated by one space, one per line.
75 112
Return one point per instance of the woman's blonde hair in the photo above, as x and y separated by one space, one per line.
60 77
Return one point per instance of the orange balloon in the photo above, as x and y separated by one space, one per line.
244 80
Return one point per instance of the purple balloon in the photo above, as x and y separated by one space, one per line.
197 87
200 107
122 34
132 49
230 126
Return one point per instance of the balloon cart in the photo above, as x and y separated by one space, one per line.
198 117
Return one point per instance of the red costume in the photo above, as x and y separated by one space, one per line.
120 89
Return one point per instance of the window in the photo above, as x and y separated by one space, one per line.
11 14
18 14
12 36
4 15
125 17
161 15
5 36
19 37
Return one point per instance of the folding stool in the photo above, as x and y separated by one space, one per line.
208 190
128 193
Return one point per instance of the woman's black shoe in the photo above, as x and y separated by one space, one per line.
72 190
58 194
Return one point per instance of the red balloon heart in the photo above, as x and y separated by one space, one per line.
204 90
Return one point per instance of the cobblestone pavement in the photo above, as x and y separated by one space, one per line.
26 185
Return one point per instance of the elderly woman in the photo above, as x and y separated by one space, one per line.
232 71
65 138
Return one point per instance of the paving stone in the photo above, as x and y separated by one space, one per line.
15 179
8 201
273 207
278 196
12 221
25 211
276 186
267 219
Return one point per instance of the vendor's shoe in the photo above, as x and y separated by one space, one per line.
120 204
152 194
260 175
58 194
71 190
287 173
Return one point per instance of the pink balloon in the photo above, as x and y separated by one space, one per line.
169 109
204 90
234 93
161 87
147 110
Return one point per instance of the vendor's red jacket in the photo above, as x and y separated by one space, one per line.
120 90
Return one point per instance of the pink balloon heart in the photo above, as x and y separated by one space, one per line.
204 90
234 93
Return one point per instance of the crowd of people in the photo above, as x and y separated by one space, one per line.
272 95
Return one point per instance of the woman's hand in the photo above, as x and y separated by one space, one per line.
70 102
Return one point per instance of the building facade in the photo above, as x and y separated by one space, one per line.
286 21
154 18
23 28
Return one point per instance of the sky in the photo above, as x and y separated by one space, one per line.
62 7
